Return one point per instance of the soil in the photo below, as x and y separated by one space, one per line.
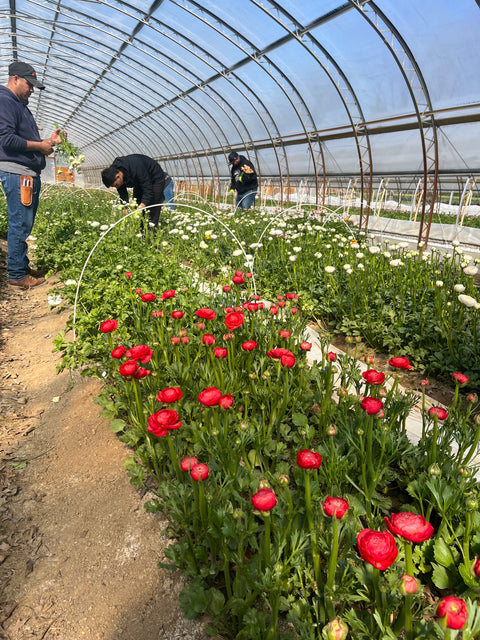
78 551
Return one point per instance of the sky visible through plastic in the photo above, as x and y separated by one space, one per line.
296 85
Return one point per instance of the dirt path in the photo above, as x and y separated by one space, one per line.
78 552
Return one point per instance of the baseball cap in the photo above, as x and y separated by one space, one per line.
232 157
24 70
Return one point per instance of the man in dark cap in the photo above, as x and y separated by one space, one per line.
152 186
243 180
22 158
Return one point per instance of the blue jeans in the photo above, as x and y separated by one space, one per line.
168 196
20 224
246 200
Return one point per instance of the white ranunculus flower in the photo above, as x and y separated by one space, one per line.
69 283
374 250
203 245
459 288
468 301
95 223
439 283
395 263
360 266
292 258
185 237
237 252
54 300
297 249
347 266
470 271
329 269
317 255
360 255
104 227
387 254
138 235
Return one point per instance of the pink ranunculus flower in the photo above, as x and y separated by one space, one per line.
460 378
409 526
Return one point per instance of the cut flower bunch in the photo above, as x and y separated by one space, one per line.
298 504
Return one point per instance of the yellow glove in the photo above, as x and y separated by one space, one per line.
231 191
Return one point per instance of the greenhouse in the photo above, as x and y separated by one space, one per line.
249 236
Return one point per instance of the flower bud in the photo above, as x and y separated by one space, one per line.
264 484
408 585
335 630
434 470
472 504
476 567
331 430
283 480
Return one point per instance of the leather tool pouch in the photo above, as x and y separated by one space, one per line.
26 190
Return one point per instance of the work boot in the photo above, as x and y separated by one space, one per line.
36 273
27 283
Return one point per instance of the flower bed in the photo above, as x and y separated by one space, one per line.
298 505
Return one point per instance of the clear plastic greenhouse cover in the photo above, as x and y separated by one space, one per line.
303 87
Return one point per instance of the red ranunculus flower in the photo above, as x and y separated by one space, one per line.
168 294
454 610
440 412
225 401
128 274
287 360
200 325
157 313
140 352
373 377
251 306
306 346
108 326
128 368
291 296
138 291
249 345
273 310
377 547
175 340
208 339
177 314
187 463
238 273
460 378
308 459
248 274
220 352
141 372
169 395
409 526
400 363
282 304
234 320
238 279
185 339
199 471
205 313
372 406
331 356
148 297
276 354
264 499
284 334
160 422
119 351
227 288
210 396
335 507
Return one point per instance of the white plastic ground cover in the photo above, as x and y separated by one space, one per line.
468 237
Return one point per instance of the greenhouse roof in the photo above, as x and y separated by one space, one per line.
301 86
